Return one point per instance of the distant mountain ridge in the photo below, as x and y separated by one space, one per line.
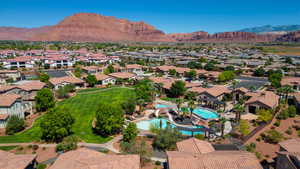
270 28
91 27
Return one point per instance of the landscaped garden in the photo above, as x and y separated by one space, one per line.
82 107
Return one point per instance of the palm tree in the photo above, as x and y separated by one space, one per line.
192 106
222 122
179 102
286 90
239 109
140 103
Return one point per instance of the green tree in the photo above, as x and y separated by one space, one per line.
191 74
109 120
14 125
259 72
264 115
226 76
91 80
172 72
44 77
229 68
166 138
109 69
130 132
145 90
77 72
129 106
69 143
210 66
275 78
44 100
56 124
177 89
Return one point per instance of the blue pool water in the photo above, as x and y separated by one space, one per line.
206 114
145 125
158 106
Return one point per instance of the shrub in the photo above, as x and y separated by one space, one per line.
41 166
292 111
258 155
200 137
35 147
14 125
68 143
289 131
244 127
251 147
273 137
264 115
277 123
157 163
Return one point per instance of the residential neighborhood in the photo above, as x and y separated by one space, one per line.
175 108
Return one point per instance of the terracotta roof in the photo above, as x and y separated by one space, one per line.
12 161
92 68
291 145
84 158
167 82
122 75
290 81
213 91
194 145
133 66
213 160
32 85
8 99
100 76
267 98
189 85
6 88
67 79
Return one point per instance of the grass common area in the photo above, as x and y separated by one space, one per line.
83 107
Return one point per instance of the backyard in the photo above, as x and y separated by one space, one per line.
83 107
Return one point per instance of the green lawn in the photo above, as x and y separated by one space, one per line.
83 107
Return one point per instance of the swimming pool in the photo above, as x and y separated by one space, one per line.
145 125
206 114
158 106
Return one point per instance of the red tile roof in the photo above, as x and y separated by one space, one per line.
67 79
8 99
84 158
11 161
291 145
213 160
290 81
100 76
267 98
122 75
194 145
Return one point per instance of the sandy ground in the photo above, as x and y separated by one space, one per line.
267 150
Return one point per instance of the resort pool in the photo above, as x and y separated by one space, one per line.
206 114
145 125
158 106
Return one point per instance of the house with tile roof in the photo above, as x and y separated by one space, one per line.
65 80
289 155
215 93
19 62
103 79
10 104
17 161
291 81
196 154
84 158
261 100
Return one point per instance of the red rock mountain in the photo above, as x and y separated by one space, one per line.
290 37
89 27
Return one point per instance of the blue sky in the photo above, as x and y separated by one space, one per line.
167 15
